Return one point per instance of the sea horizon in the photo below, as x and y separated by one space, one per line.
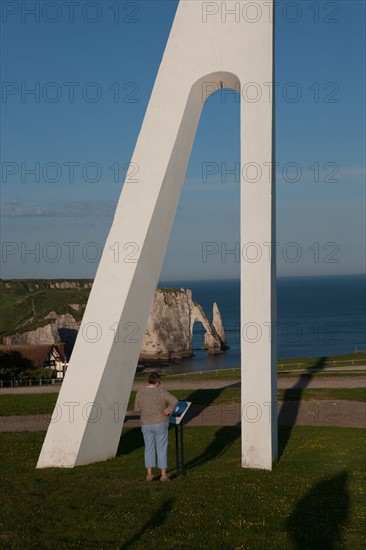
182 280
278 277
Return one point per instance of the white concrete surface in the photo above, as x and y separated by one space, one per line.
209 47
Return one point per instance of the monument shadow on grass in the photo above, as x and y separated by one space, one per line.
130 441
291 404
156 520
319 517
224 438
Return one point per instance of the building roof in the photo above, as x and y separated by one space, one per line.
37 353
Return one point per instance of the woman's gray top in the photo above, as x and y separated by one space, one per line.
151 401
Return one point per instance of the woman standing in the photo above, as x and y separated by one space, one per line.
155 404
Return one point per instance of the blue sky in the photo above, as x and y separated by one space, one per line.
64 147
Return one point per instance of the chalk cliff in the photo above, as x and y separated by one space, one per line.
170 326
168 334
60 328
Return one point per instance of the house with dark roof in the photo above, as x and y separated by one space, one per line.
48 356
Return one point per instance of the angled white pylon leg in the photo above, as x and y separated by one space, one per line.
212 45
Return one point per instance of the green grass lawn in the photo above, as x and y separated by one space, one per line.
42 403
322 374
314 497
325 362
24 404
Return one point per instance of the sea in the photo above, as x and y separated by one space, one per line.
316 317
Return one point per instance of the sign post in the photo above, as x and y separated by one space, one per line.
175 419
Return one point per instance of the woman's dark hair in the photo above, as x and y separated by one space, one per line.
154 377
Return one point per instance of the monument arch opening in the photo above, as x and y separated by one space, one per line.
123 291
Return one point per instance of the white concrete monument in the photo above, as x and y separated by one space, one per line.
212 46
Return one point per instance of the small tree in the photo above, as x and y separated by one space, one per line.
13 365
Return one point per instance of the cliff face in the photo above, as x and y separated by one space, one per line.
168 334
61 328
170 326
168 331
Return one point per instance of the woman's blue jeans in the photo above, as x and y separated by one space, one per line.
156 443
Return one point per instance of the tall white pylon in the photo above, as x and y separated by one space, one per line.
212 45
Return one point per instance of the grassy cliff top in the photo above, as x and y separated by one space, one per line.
26 302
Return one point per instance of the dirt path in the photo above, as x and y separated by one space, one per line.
345 414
